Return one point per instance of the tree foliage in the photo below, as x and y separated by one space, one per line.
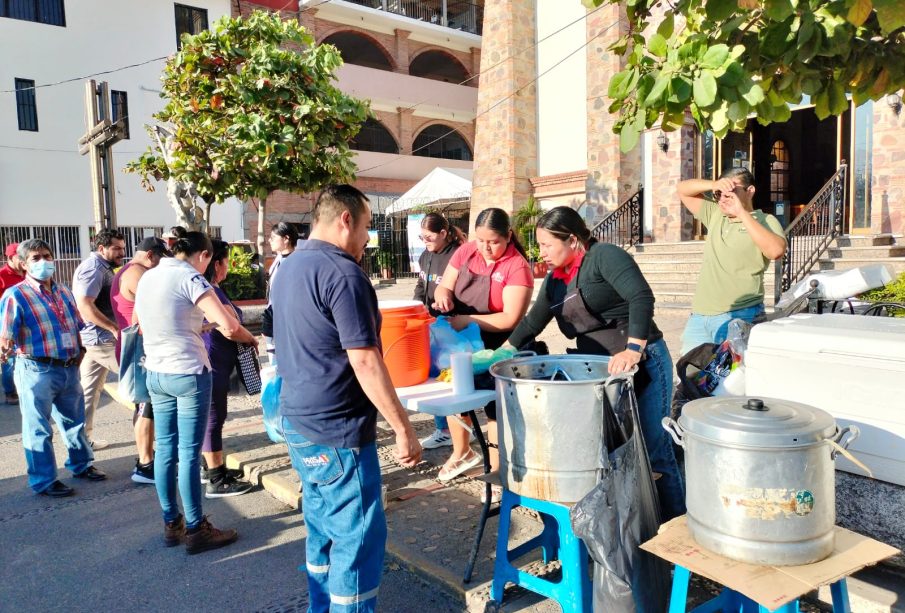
254 110
726 59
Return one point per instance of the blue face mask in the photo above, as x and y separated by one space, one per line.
41 270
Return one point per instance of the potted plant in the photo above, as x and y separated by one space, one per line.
385 263
524 221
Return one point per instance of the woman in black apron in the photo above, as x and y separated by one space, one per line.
441 240
599 297
492 287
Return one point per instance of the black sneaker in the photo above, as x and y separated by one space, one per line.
227 486
236 473
58 489
143 473
91 474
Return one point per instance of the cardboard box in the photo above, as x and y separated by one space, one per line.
770 586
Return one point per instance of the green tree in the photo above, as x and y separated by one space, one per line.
726 59
253 109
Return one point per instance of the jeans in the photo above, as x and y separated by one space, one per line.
702 329
346 525
653 404
181 403
47 391
99 360
441 423
9 386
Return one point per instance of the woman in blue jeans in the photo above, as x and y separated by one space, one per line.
171 302
600 298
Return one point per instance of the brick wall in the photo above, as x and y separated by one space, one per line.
888 187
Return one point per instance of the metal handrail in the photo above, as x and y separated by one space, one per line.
623 226
455 14
811 233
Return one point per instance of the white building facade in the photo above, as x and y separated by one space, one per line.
48 47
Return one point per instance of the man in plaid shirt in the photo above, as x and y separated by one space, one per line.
39 321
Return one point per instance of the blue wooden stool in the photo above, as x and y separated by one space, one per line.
558 542
730 600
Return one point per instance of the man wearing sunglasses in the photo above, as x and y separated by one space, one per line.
740 244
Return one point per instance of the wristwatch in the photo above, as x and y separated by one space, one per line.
634 347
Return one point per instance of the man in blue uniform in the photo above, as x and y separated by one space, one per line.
327 334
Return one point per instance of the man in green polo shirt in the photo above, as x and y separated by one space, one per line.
740 244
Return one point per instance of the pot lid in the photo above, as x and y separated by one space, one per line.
767 422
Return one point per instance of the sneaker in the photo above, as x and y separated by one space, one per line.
205 537
451 470
98 444
174 532
439 438
58 489
226 487
236 473
91 474
143 473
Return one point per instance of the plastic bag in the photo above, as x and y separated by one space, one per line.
270 402
133 385
445 341
723 362
621 513
484 359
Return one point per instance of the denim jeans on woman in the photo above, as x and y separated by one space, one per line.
653 404
702 329
346 525
47 391
181 404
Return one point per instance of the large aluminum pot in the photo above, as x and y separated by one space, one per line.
760 477
550 418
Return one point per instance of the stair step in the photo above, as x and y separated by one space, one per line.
684 247
684 268
882 251
672 286
875 240
896 265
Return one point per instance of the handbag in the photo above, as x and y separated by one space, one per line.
133 384
249 368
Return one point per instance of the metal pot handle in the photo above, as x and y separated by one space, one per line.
676 431
853 431
527 353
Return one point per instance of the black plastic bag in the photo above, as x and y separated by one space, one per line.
621 513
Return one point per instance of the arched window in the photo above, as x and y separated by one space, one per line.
374 137
361 50
780 169
438 66
439 141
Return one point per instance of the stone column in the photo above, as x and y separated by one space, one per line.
506 133
671 221
475 67
887 210
405 129
612 175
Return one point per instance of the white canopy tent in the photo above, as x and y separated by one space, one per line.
440 187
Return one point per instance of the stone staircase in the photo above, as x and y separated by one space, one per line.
672 269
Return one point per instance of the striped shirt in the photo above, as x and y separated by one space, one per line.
42 323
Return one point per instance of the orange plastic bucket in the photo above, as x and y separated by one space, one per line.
405 336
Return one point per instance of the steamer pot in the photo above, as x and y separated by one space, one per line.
760 477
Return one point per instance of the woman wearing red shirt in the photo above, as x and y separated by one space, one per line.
488 281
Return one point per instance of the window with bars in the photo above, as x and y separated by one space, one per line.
189 20
64 241
439 141
26 106
50 12
780 170
374 137
120 108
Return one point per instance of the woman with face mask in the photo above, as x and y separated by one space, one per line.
171 302
599 297
488 282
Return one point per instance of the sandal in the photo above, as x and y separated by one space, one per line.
456 468
496 494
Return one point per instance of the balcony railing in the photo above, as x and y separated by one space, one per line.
453 14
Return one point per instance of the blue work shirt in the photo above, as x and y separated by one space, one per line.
324 304
94 278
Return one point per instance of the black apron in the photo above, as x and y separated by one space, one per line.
472 297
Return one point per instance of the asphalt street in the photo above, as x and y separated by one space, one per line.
102 548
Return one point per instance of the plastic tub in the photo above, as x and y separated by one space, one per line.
405 336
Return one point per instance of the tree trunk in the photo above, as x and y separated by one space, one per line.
207 217
262 213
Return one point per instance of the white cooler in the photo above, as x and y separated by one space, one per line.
848 365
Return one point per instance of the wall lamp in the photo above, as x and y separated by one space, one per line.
663 141
894 101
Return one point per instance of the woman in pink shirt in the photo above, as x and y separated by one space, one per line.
488 281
